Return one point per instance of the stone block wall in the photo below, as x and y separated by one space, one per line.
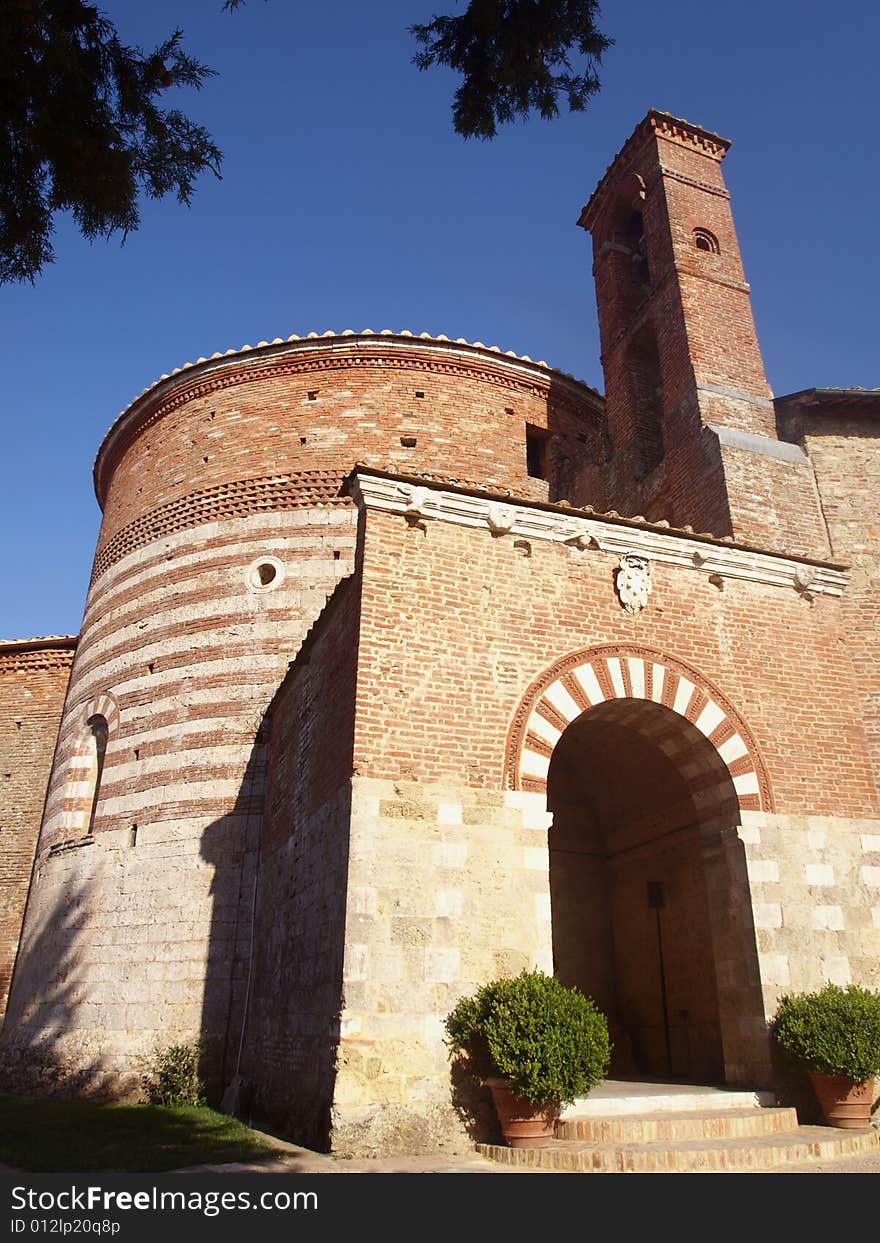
449 868
448 888
225 531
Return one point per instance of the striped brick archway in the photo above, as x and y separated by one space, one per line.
601 675
82 773
103 705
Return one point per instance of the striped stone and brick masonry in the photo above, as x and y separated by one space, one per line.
226 528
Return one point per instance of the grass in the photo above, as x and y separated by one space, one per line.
59 1136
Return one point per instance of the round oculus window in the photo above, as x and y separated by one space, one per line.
264 574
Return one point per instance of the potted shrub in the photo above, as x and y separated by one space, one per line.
537 1045
833 1035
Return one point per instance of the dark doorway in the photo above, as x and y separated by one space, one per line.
640 799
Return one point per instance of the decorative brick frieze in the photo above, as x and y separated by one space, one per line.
237 499
289 360
28 657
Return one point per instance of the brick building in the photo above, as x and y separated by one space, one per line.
407 663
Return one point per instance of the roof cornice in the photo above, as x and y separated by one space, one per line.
247 362
584 530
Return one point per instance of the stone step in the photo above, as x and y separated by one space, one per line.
803 1144
655 1128
619 1096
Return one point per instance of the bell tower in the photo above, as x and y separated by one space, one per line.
691 429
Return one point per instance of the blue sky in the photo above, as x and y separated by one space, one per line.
348 202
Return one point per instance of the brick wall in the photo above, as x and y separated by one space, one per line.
841 434
33 681
281 427
441 600
219 475
183 648
677 332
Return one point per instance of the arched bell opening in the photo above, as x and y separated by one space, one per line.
649 894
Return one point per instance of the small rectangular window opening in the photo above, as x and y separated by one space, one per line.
536 452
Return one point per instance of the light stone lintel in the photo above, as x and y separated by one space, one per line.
520 519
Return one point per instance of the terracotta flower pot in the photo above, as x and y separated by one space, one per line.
844 1104
523 1124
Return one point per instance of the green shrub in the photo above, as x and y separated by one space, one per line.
835 1031
173 1078
549 1041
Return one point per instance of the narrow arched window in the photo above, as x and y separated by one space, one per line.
646 397
704 240
99 731
634 239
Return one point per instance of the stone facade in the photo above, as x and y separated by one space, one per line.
407 663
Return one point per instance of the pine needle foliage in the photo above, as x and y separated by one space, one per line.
515 56
82 129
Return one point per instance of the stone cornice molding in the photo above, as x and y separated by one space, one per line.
584 532
673 175
302 355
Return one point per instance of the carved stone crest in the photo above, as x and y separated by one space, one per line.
633 581
500 519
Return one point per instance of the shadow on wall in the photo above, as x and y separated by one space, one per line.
231 846
472 1101
272 1016
274 980
40 1054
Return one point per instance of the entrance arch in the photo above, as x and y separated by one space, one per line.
598 675
647 770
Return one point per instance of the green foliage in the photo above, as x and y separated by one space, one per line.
835 1031
173 1078
82 130
53 1136
515 56
550 1041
